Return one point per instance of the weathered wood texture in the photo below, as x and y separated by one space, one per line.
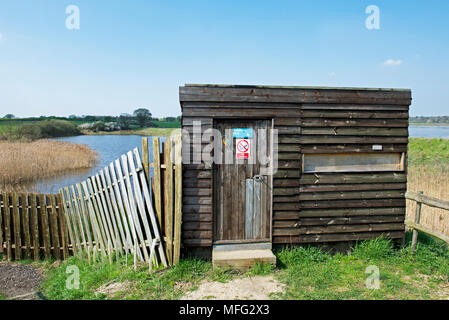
112 213
33 226
421 199
308 121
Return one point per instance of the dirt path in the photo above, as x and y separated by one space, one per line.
19 281
253 288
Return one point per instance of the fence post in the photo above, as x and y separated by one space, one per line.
417 220
178 201
157 192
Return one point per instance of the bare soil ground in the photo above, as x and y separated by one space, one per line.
249 288
19 281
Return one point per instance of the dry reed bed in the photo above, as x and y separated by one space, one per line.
434 182
24 163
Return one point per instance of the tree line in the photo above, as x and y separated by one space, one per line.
141 117
433 119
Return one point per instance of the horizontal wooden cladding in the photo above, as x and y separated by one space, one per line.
345 148
352 178
339 229
352 187
294 95
196 208
364 131
196 192
198 174
197 200
240 113
337 213
197 234
366 203
358 107
337 221
197 217
188 121
354 236
341 195
197 242
328 139
381 123
353 114
197 226
197 183
240 105
280 182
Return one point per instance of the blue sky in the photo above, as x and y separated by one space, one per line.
136 53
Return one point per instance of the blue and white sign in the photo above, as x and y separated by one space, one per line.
242 133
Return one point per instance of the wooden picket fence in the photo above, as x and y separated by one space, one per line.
117 212
33 226
164 171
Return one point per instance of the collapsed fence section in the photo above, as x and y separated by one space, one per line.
33 226
112 213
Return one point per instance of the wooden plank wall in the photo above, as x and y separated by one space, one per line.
33 226
345 206
307 208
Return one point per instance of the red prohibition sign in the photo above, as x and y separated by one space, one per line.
243 146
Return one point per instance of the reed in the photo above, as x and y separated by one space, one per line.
433 181
428 171
24 163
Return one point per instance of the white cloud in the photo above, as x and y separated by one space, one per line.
332 74
1 36
392 62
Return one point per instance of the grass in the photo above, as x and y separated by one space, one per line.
429 152
307 272
24 163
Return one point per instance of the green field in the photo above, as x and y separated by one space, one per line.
423 151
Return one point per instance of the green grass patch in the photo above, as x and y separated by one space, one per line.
140 284
423 151
307 272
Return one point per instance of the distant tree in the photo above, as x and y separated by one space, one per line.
124 121
9 116
142 116
72 116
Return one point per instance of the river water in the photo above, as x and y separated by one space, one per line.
111 147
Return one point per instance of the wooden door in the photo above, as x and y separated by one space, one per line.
242 189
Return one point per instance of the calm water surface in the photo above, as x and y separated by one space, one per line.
111 147
429 132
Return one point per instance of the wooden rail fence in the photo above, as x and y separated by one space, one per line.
33 226
421 199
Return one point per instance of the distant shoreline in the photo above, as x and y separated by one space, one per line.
430 124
